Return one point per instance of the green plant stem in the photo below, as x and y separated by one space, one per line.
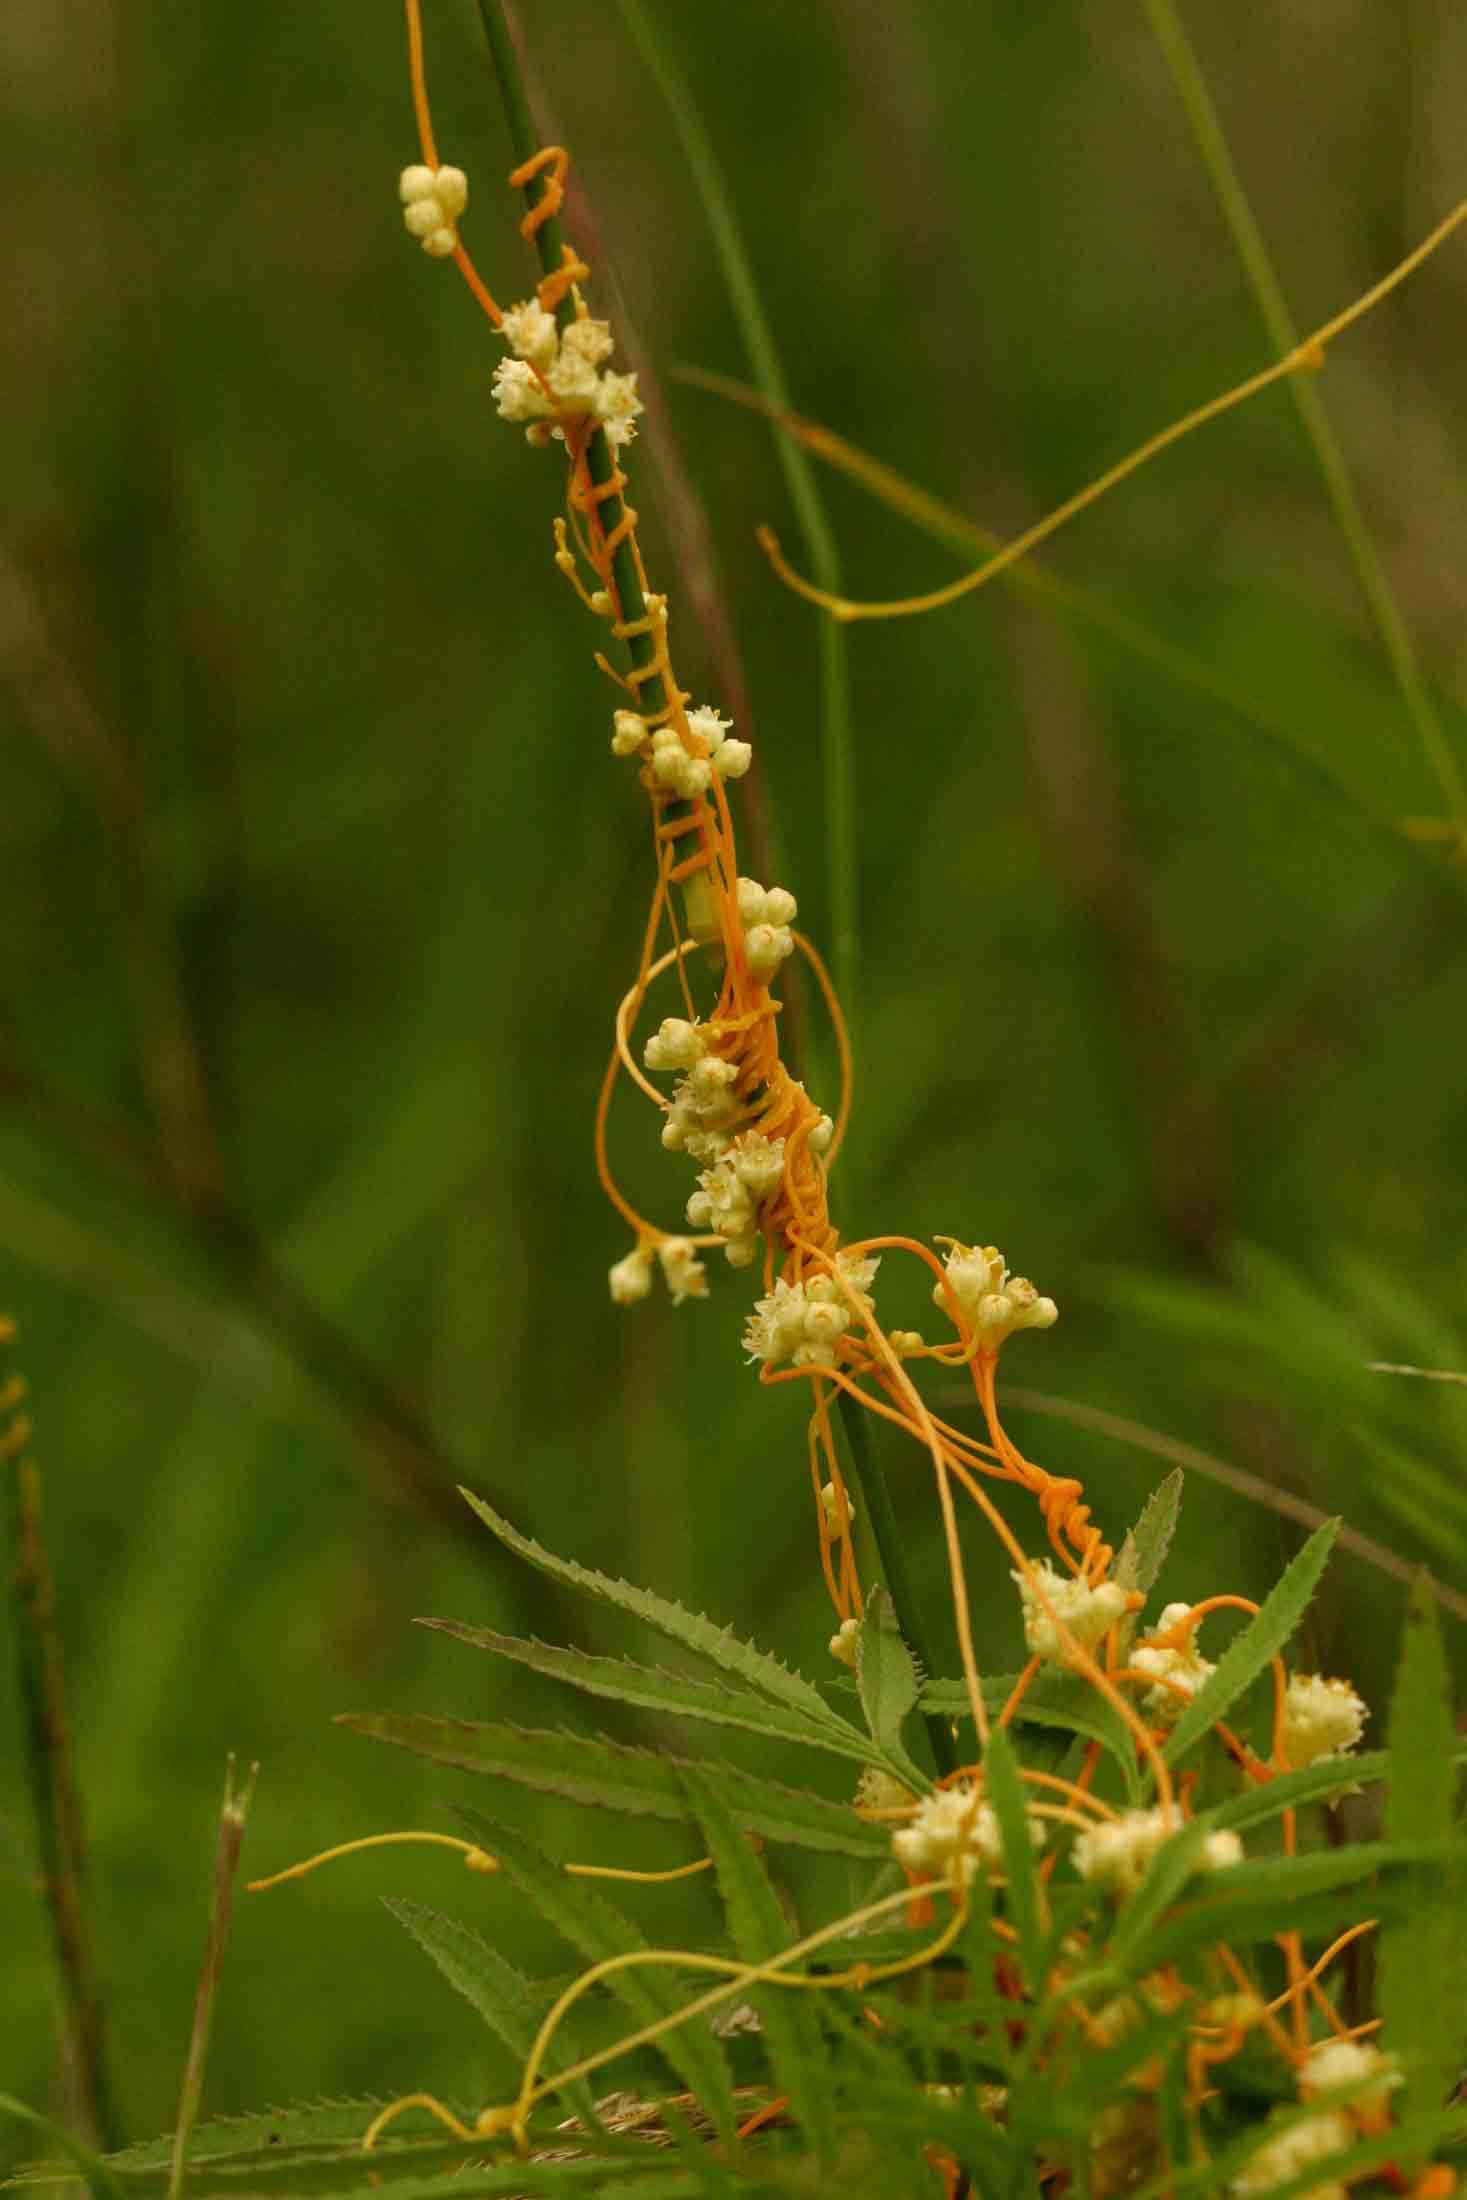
549 243
881 1515
49 1758
233 1815
1191 86
804 491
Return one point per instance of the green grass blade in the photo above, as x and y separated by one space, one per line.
1143 1554
1421 1960
1005 1791
737 271
798 2060
1273 310
1261 1640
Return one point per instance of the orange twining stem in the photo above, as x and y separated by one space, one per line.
552 163
429 148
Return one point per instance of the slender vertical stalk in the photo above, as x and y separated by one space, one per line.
820 544
233 1813
49 1758
1268 296
881 1515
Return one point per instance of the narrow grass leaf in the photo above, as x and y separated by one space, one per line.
1259 1643
1005 1791
798 2058
1421 1961
886 1676
597 1930
610 1776
1246 1902
719 1645
654 1688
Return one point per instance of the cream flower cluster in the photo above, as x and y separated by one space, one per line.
1322 1718
994 1303
733 1189
1289 2155
1116 1854
766 913
558 374
704 1108
682 771
1086 1610
954 1834
1356 2063
682 1271
804 1322
1184 1669
432 200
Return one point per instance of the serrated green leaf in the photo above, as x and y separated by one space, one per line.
597 1930
1247 1901
1143 1553
798 2060
887 1679
654 1688
612 1776
1260 1642
1005 1791
1291 1790
507 2001
1420 1952
1061 1701
332 2123
719 1645
83 2166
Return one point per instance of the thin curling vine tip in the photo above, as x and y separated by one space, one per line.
1307 356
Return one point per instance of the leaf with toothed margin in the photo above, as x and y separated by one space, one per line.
611 1776
1257 1646
889 1684
719 1645
653 1688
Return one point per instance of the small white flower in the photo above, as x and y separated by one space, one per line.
1116 1853
415 183
530 332
1322 1718
1087 1611
767 945
631 1277
517 393
451 190
1185 1668
953 1834
676 1044
1333 2063
732 760
821 1136
589 340
780 906
710 728
741 1252
1292 2152
758 1162
749 895
835 1508
618 407
628 733
683 1272
843 1642
904 1341
572 378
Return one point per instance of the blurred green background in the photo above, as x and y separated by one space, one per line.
319 887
